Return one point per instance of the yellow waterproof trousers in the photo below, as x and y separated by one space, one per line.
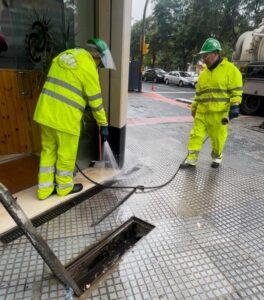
207 124
57 162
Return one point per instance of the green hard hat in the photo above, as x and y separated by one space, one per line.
99 43
105 54
210 45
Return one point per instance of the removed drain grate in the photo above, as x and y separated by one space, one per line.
90 265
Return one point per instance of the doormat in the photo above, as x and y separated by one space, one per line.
20 174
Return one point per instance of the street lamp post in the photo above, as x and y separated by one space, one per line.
141 47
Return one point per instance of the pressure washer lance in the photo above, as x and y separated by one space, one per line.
99 163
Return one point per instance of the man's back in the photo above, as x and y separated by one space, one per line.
63 100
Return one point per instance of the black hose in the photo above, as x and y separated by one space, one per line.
138 187
108 186
134 189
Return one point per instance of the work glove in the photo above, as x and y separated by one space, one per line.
233 112
104 133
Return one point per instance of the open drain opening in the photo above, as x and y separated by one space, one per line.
89 266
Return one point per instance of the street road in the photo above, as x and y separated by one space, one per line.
185 94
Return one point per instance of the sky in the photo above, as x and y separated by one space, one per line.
138 8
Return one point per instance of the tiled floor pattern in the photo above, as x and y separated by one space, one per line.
207 243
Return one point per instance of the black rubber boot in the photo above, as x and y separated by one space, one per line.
215 165
76 188
187 165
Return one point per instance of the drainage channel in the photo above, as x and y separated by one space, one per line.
91 265
50 214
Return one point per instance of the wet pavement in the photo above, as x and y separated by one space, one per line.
208 240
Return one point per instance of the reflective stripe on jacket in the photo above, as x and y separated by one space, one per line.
72 83
217 89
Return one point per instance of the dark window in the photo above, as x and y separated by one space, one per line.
255 72
184 74
48 26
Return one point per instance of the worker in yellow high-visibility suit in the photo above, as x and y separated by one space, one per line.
71 84
217 99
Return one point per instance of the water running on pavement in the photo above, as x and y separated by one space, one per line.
108 156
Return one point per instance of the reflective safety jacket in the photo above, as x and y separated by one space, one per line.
72 83
217 89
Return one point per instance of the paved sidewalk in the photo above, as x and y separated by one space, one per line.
208 240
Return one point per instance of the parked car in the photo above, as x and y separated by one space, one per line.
194 76
180 78
155 75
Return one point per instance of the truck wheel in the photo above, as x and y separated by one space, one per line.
250 104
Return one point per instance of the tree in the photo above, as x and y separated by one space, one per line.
232 23
177 28
254 10
135 40
169 15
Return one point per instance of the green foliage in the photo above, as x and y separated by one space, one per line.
135 40
177 29
254 10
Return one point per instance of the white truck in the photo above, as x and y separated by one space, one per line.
248 56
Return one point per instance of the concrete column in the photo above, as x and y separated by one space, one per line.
114 26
